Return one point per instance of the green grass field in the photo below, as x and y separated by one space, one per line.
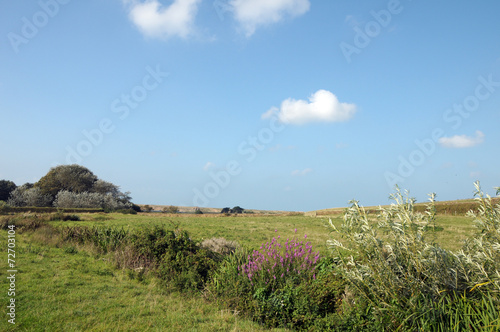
64 289
61 287
252 231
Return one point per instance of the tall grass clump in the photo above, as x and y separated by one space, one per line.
404 280
104 239
283 283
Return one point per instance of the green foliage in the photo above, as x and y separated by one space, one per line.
73 178
103 238
6 187
170 209
147 208
126 211
406 281
26 222
280 285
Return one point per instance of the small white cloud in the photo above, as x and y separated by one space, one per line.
208 166
323 106
287 188
462 141
156 21
301 172
251 14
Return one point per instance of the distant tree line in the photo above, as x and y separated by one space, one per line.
236 209
66 186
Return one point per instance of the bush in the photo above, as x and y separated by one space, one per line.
67 199
24 196
285 285
407 282
170 209
64 217
147 208
180 262
126 211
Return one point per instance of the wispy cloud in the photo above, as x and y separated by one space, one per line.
208 166
323 106
462 141
301 172
157 21
251 14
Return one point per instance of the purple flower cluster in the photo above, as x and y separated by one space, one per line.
275 263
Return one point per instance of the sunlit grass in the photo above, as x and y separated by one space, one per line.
63 289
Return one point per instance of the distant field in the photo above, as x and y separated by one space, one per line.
252 231
457 207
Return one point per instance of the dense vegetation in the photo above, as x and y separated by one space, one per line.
66 186
384 271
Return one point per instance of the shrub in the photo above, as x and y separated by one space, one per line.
24 196
108 202
6 187
181 263
285 285
406 281
170 209
126 211
64 217
147 208
4 207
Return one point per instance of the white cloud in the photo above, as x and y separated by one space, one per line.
301 172
462 141
251 14
323 106
156 21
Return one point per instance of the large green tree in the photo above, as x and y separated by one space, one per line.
73 178
6 187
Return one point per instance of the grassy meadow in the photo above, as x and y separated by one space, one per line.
68 286
253 230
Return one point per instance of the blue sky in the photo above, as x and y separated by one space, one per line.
286 104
